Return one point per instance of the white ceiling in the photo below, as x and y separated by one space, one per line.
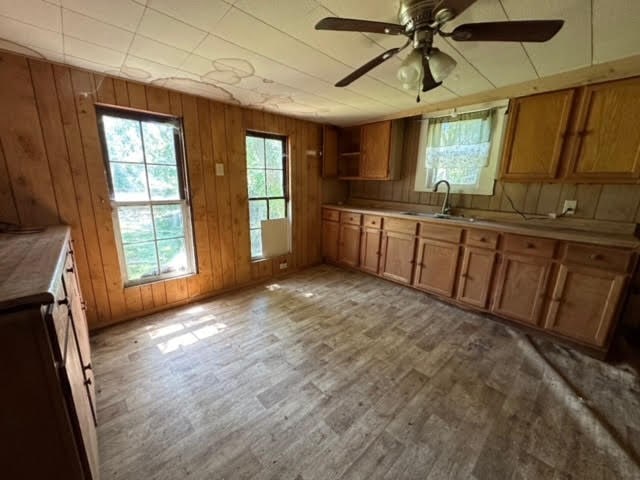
267 54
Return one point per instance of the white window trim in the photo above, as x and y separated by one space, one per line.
489 173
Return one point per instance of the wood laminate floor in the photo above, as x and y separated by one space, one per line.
329 374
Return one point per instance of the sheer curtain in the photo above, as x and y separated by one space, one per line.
458 147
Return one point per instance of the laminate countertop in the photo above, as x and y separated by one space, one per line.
520 228
29 266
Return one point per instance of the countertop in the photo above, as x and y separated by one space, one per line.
29 266
521 228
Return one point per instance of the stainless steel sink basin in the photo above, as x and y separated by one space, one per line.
440 216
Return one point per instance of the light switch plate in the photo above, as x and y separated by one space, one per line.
570 207
220 169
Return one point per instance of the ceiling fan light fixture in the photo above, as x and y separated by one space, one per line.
441 64
411 72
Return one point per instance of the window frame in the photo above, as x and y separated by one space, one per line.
183 188
488 174
285 179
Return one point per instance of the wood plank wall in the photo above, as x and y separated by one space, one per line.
52 171
611 203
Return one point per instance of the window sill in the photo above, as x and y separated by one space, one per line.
160 279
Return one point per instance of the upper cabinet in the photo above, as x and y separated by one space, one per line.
588 134
366 152
535 136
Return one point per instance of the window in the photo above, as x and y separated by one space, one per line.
463 149
151 214
267 183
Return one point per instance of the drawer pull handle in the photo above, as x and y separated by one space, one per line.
482 239
596 256
87 382
87 367
530 245
70 270
64 301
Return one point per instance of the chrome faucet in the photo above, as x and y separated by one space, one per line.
446 208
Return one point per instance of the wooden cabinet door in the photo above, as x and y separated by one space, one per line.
397 256
370 250
475 276
521 287
607 136
330 234
375 150
535 136
584 303
349 245
329 151
436 265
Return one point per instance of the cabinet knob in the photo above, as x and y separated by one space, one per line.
88 382
64 301
87 367
483 239
69 270
530 245
596 256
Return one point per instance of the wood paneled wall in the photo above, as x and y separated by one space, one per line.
52 171
611 203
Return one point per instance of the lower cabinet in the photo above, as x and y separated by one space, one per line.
521 288
584 303
330 235
436 265
397 256
349 245
370 243
475 276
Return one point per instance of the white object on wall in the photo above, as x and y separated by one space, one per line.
276 239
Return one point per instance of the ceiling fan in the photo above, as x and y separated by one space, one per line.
420 21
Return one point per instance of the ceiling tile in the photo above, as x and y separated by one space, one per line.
91 30
145 70
122 13
38 52
575 36
90 65
157 52
34 12
92 52
616 29
202 14
30 36
165 29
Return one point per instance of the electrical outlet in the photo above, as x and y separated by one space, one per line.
220 169
570 207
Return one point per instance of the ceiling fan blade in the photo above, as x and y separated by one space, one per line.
516 31
370 65
356 25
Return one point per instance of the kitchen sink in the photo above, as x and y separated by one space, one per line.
438 215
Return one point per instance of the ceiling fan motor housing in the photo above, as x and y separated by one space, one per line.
416 14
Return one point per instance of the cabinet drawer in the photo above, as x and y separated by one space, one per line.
440 232
372 221
400 226
350 218
328 214
598 257
482 238
540 247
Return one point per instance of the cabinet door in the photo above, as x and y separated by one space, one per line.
521 287
370 250
535 136
397 256
330 234
375 150
349 245
475 276
436 264
329 151
607 137
584 303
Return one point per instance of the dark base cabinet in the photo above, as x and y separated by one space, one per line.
47 409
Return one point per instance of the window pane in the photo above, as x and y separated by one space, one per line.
173 255
256 243
159 146
141 260
277 209
135 224
257 212
274 183
123 139
273 153
255 152
256 180
129 182
163 182
168 221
